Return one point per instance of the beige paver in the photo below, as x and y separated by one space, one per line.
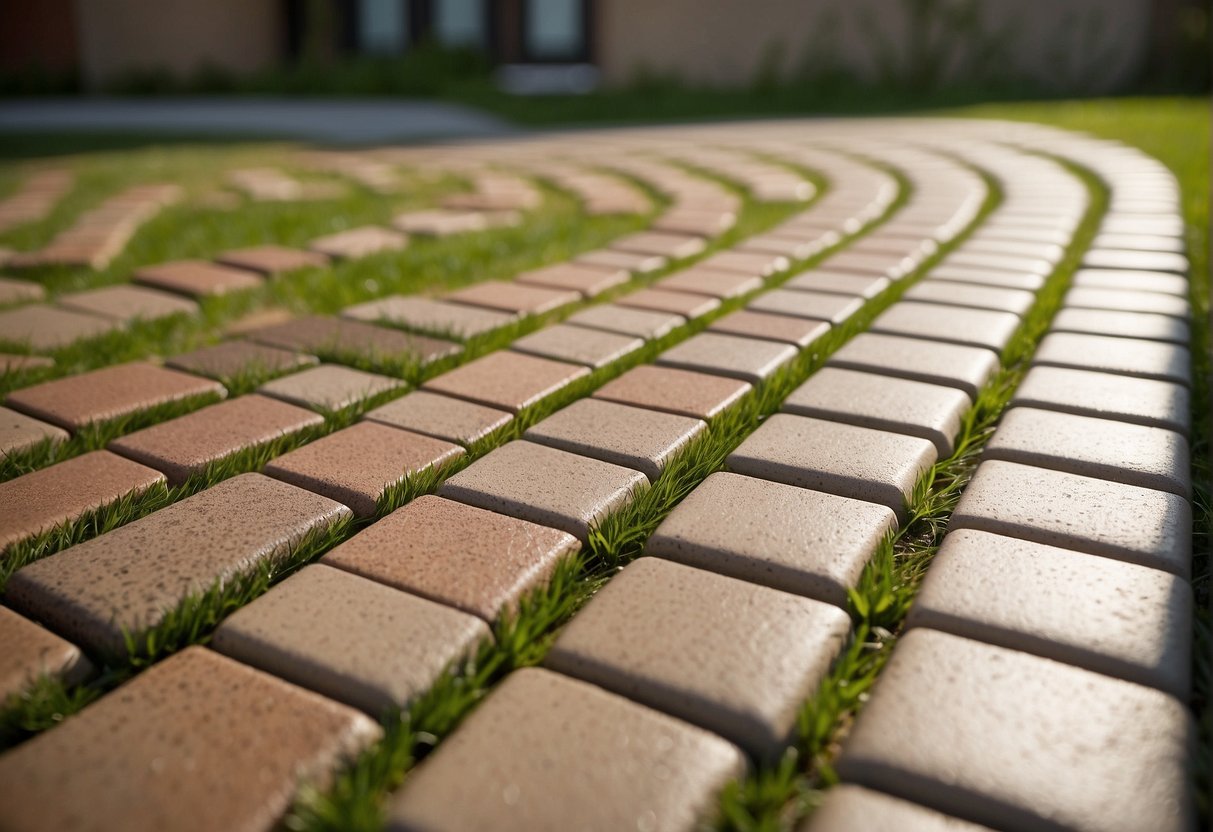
699 280
456 554
788 538
356 465
507 380
1111 519
1122 324
272 260
1142 281
360 242
1157 261
1026 281
955 325
13 291
802 304
443 417
46 327
578 345
848 808
545 485
1120 300
1120 619
1139 242
699 222
1124 356
429 315
1119 451
132 577
1007 262
324 335
548 752
440 222
951 365
791 247
677 303
234 359
643 323
748 359
197 278
514 297
1015 301
18 432
797 331
109 393
351 639
615 259
128 303
1141 401
662 244
1032 743
704 666
847 460
589 281
684 392
634 437
208 745
746 262
839 283
900 405
329 387
10 363
892 266
186 445
29 652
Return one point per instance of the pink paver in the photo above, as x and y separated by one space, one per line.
46 327
643 323
323 335
673 246
630 260
1141 401
698 280
513 297
29 652
1123 324
186 445
19 432
951 365
1124 356
506 380
746 262
109 393
801 304
329 387
748 359
1015 301
797 331
271 260
442 417
578 345
590 281
129 303
935 322
677 303
235 359
466 557
359 242
13 291
840 283
197 278
428 315
684 392
356 465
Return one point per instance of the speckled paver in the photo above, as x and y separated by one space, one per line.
29 652
839 283
1123 324
1168 284
548 752
18 432
1119 300
677 303
507 380
673 246
236 359
1124 356
329 387
351 639
746 262
128 303
325 336
131 577
748 359
589 281
428 315
849 808
359 242
847 460
684 392
545 485
198 729
1141 401
515 298
1015 301
1112 617
803 304
1032 743
46 327
456 554
1111 519
643 323
271 260
799 332
630 260
197 278
578 345
356 465
442 417
789 538
718 634
950 324
699 280
950 365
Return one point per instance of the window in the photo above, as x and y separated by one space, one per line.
461 22
554 30
383 27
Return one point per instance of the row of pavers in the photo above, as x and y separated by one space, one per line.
35 198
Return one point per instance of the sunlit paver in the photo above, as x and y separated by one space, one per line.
29 652
677 303
578 345
197 278
840 283
615 259
748 359
1121 300
952 365
429 315
1023 751
234 359
514 297
1141 358
892 266
443 417
128 303
10 363
359 242
699 280
1141 401
1008 262
799 332
18 432
329 387
849 808
1026 281
804 304
643 323
746 262
198 730
507 380
662 244
688 393
324 335
272 260
1160 261
590 281
956 325
46 327
1015 301
1167 284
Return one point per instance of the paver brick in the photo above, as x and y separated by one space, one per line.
1123 300
746 262
232 359
109 393
46 327
643 323
1032 743
800 541
804 304
132 577
548 752
18 432
1122 324
684 392
1141 401
465 557
662 244
272 260
329 387
699 280
356 465
718 636
1159 261
1025 281
440 222
514 297
1119 451
545 485
892 266
955 325
1110 519
429 315
578 345
208 745
1141 281
508 380
1120 619
590 281
442 417
950 365
186 445
13 291
129 303
748 359
197 278
1015 301
323 335
900 405
615 259
359 242
29 652
1008 262
1138 242
848 808
678 303
847 460
840 283
700 222
799 332
10 363
348 638
1124 356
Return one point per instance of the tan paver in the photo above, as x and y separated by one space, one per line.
322 335
630 260
1124 356
29 652
18 432
801 304
548 752
777 535
1122 324
545 485
1141 401
634 437
507 380
440 223
329 387
1032 743
797 331
578 345
677 303
356 465
233 359
1119 300
1007 262
951 365
271 260
850 461
704 666
131 577
643 323
746 262
699 280
1027 281
468 558
46 327
840 283
10 363
1142 281
13 291
129 303
186 445
199 732
1120 619
662 244
514 297
590 281
914 408
892 266
849 808
700 222
442 417
684 392
109 393
428 315
1157 261
197 278
955 325
360 242
1110 519
748 359
1015 301
1119 451
348 638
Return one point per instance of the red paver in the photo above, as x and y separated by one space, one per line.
799 332
109 393
802 304
29 652
673 246
513 297
128 303
590 281
507 380
46 327
273 260
325 335
565 342
748 359
359 242
466 557
197 278
208 744
233 359
678 303
699 280
442 417
684 392
18 432
643 323
427 315
329 387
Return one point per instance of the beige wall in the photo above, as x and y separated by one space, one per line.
178 37
1074 45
